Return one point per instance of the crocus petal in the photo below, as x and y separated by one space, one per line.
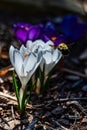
29 67
50 26
56 55
21 31
18 62
45 38
39 43
47 56
21 34
50 59
29 63
34 32
50 43
32 46
11 50
24 51
29 44
60 39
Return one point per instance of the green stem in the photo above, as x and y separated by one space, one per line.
16 88
22 99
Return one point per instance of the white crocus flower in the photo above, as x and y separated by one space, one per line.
25 63
50 56
49 59
32 46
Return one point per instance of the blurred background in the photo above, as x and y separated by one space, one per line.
41 8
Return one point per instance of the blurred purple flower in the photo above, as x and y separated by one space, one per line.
50 26
21 25
49 31
72 27
35 32
21 31
58 40
25 32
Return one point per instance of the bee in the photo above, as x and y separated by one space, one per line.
63 48
59 42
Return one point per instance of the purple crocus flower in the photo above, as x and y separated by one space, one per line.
21 25
25 32
35 32
50 26
49 31
72 27
21 31
58 40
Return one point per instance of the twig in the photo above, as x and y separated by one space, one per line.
5 121
65 100
12 98
7 96
74 72
63 128
48 127
60 101
13 115
32 124
78 105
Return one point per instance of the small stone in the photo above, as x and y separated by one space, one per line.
85 70
1 80
83 56
84 88
57 111
64 122
72 77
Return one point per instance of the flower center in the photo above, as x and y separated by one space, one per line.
53 38
25 55
26 28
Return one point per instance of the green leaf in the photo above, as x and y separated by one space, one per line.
16 87
47 82
27 99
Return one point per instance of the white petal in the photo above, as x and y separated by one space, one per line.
32 46
50 59
50 43
47 47
57 56
29 44
24 81
23 50
18 63
39 43
48 68
47 61
11 50
47 57
30 65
